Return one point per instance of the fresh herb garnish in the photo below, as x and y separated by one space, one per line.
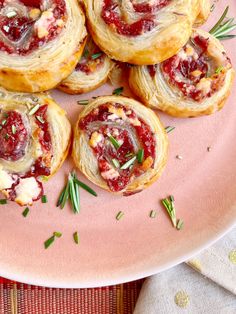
40 119
57 234
34 109
128 163
4 122
116 163
85 53
25 212
49 242
44 199
96 55
76 237
129 155
114 142
219 69
119 215
140 156
152 214
13 129
74 194
170 208
85 187
7 136
118 91
223 27
3 201
83 102
169 129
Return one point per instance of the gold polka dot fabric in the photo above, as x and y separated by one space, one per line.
207 286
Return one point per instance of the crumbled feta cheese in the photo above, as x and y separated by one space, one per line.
27 190
95 139
6 180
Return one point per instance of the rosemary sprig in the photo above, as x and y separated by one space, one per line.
85 187
223 27
170 207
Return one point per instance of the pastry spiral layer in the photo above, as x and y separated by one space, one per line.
34 141
119 144
90 73
41 42
141 33
196 81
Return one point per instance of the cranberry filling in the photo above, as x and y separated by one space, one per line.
101 122
13 136
112 17
44 136
23 29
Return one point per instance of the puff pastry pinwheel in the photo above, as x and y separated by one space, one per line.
41 42
34 141
205 10
194 82
141 32
90 73
119 144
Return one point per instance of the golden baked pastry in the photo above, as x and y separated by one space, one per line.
205 10
40 42
91 72
34 141
119 144
142 33
194 82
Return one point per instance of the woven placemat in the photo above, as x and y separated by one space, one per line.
18 298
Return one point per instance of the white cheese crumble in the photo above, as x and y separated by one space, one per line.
110 174
27 190
95 139
42 25
6 180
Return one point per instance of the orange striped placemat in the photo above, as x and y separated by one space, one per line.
18 298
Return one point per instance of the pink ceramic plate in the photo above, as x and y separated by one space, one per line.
112 251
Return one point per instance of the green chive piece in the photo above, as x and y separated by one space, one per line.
85 187
13 129
57 234
219 69
170 208
3 201
4 122
180 224
118 91
7 136
128 163
74 195
34 109
49 242
152 214
169 129
114 142
76 237
116 163
83 102
44 178
86 53
65 196
44 199
119 215
5 115
96 55
40 119
140 156
25 212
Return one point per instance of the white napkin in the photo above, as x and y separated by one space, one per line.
208 287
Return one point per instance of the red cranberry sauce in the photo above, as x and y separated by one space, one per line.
186 72
131 137
19 28
13 136
112 16
92 59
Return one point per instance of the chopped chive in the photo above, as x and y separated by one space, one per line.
219 69
3 201
118 91
25 212
65 196
116 163
44 178
57 234
180 224
83 102
49 242
169 129
85 187
114 142
140 156
5 115
44 199
4 122
13 129
119 215
34 109
128 163
96 55
40 119
85 53
152 214
76 237
129 155
7 136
